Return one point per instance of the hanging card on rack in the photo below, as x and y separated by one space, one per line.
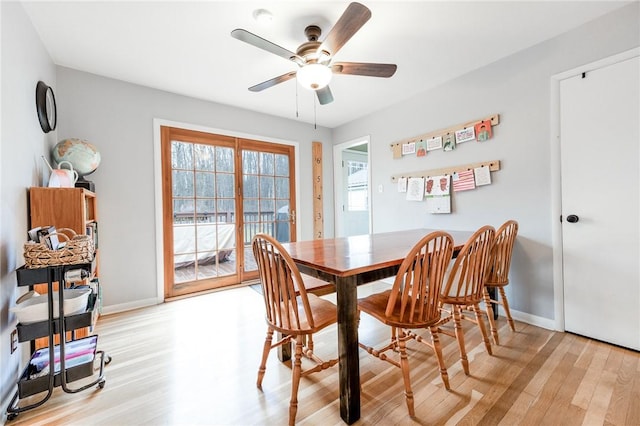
465 135
434 143
463 180
402 184
421 149
483 130
482 175
408 148
415 189
438 192
449 142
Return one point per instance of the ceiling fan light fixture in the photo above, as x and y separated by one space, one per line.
314 76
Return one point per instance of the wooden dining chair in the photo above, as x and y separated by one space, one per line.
498 274
413 303
464 288
290 311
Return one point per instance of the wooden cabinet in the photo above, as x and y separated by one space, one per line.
73 208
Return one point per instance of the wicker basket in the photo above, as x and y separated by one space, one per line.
78 249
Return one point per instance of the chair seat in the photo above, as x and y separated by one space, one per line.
452 300
324 314
376 306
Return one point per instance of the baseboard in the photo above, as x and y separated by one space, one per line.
123 307
547 323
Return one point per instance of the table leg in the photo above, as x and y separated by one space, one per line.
349 364
493 293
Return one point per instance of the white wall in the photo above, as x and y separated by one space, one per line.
517 88
24 62
118 117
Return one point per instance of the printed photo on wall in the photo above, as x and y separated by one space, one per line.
434 143
483 130
465 135
449 142
421 148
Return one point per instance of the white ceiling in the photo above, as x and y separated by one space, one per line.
186 47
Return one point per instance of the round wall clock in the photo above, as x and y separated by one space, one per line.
46 107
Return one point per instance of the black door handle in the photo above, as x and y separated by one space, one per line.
572 218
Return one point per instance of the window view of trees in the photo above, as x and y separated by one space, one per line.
357 186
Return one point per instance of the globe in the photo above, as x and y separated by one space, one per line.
83 156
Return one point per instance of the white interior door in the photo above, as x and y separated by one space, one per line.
599 128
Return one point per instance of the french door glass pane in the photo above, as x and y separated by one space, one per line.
203 194
265 178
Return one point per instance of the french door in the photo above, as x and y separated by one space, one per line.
218 192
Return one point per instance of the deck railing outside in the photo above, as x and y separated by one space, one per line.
254 222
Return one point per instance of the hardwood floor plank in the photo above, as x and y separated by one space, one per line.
522 379
560 389
585 392
621 399
600 401
194 362
633 414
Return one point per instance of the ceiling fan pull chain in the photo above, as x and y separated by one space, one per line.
296 99
315 114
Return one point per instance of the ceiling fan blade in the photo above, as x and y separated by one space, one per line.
272 82
353 18
259 42
324 95
364 68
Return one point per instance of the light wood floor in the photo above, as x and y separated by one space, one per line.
194 361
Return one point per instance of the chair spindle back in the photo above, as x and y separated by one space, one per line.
280 278
502 251
466 277
419 280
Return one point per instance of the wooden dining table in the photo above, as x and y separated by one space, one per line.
349 262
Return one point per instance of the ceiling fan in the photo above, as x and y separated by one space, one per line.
314 58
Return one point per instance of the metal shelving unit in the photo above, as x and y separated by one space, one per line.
30 384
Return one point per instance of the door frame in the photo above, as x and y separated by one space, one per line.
556 181
338 181
157 183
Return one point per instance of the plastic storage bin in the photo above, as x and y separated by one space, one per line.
36 308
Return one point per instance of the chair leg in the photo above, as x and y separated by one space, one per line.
457 319
483 329
437 348
404 364
489 309
507 312
265 354
296 372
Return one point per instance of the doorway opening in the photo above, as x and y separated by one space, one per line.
352 177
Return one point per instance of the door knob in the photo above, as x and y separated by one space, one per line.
572 218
